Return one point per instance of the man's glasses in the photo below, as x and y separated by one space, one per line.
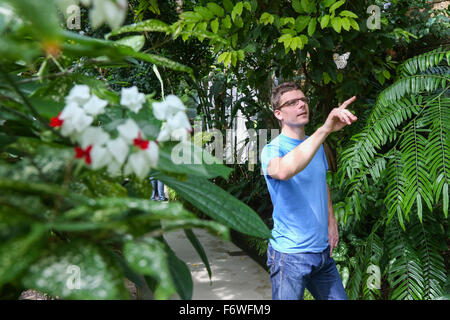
294 102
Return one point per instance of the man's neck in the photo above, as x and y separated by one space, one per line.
294 132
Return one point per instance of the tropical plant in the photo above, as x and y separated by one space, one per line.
404 147
59 217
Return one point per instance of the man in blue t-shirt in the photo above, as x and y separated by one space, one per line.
305 230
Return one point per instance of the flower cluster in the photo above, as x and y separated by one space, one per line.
173 112
129 151
109 11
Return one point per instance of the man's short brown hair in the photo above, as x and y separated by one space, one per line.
278 91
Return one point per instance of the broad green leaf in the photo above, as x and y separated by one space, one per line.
349 14
78 270
191 16
336 24
237 10
204 12
266 18
336 5
181 275
327 3
324 21
301 22
345 23
215 25
354 24
227 22
18 253
307 5
149 256
216 9
151 25
218 204
297 6
199 248
312 26
228 5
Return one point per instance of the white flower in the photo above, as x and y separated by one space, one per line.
152 153
118 149
114 168
75 120
167 108
138 164
129 131
93 136
79 94
132 99
141 161
113 12
164 134
100 157
179 120
95 106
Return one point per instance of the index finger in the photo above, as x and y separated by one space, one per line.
347 102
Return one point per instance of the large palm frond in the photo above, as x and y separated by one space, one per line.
407 134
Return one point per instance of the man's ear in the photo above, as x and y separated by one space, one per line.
277 114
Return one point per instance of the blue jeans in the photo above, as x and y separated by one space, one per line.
291 273
157 186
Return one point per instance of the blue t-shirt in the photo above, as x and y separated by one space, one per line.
300 204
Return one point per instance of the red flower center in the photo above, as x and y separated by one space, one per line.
86 154
56 121
141 143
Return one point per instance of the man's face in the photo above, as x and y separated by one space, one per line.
293 110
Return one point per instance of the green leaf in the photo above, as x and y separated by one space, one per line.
181 275
228 5
216 9
266 18
349 14
218 204
204 12
78 270
215 25
312 26
149 257
227 22
191 16
134 42
297 6
237 10
307 5
301 22
336 24
345 23
151 25
327 3
354 24
18 253
336 5
199 248
324 21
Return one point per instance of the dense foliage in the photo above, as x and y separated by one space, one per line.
389 171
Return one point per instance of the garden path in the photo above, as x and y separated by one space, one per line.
235 276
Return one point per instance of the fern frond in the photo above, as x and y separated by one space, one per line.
405 274
438 149
417 181
395 187
423 62
428 240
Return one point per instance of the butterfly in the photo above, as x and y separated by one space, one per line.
341 60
